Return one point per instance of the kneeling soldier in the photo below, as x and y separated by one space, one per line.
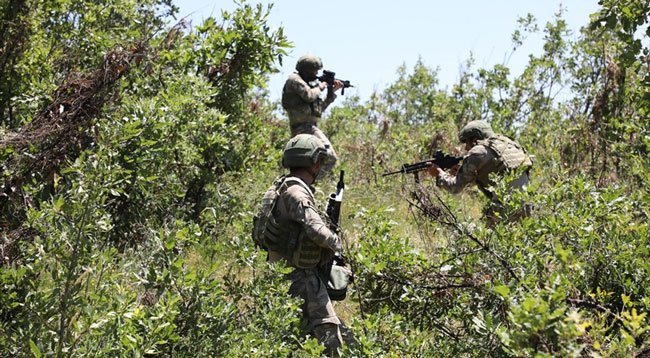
488 153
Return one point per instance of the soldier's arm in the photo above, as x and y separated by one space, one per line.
328 99
302 210
302 89
467 173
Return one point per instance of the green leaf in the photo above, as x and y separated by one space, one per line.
170 244
32 347
57 203
502 290
625 298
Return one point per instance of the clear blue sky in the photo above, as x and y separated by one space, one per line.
366 41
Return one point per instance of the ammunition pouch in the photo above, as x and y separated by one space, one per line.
281 236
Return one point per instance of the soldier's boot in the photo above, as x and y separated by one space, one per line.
330 336
348 335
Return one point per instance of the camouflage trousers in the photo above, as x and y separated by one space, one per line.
495 213
318 312
310 128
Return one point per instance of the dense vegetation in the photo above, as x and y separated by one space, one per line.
135 148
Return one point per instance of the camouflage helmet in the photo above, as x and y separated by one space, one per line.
303 151
308 64
475 130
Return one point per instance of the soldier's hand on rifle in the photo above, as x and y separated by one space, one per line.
434 170
335 228
338 84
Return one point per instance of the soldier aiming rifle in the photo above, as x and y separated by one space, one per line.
488 154
302 100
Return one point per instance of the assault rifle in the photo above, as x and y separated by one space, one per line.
335 273
329 77
334 201
442 160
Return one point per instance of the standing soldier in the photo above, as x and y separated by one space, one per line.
302 238
487 153
301 98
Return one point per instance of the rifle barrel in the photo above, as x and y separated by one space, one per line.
393 172
444 162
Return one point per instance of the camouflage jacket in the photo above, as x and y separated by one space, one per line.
498 154
302 100
316 242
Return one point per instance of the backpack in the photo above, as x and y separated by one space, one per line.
268 233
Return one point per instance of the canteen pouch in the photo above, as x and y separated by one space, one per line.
337 284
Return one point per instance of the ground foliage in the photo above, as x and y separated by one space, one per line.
135 148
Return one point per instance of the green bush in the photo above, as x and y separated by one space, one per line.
137 243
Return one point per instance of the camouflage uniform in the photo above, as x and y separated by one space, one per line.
316 243
497 154
304 105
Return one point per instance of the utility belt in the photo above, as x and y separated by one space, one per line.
307 125
335 274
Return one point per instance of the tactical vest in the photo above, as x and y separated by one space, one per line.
298 110
307 254
511 156
282 236
270 232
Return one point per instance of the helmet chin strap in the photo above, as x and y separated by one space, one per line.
315 173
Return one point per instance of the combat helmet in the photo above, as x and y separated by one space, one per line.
303 151
477 129
308 64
